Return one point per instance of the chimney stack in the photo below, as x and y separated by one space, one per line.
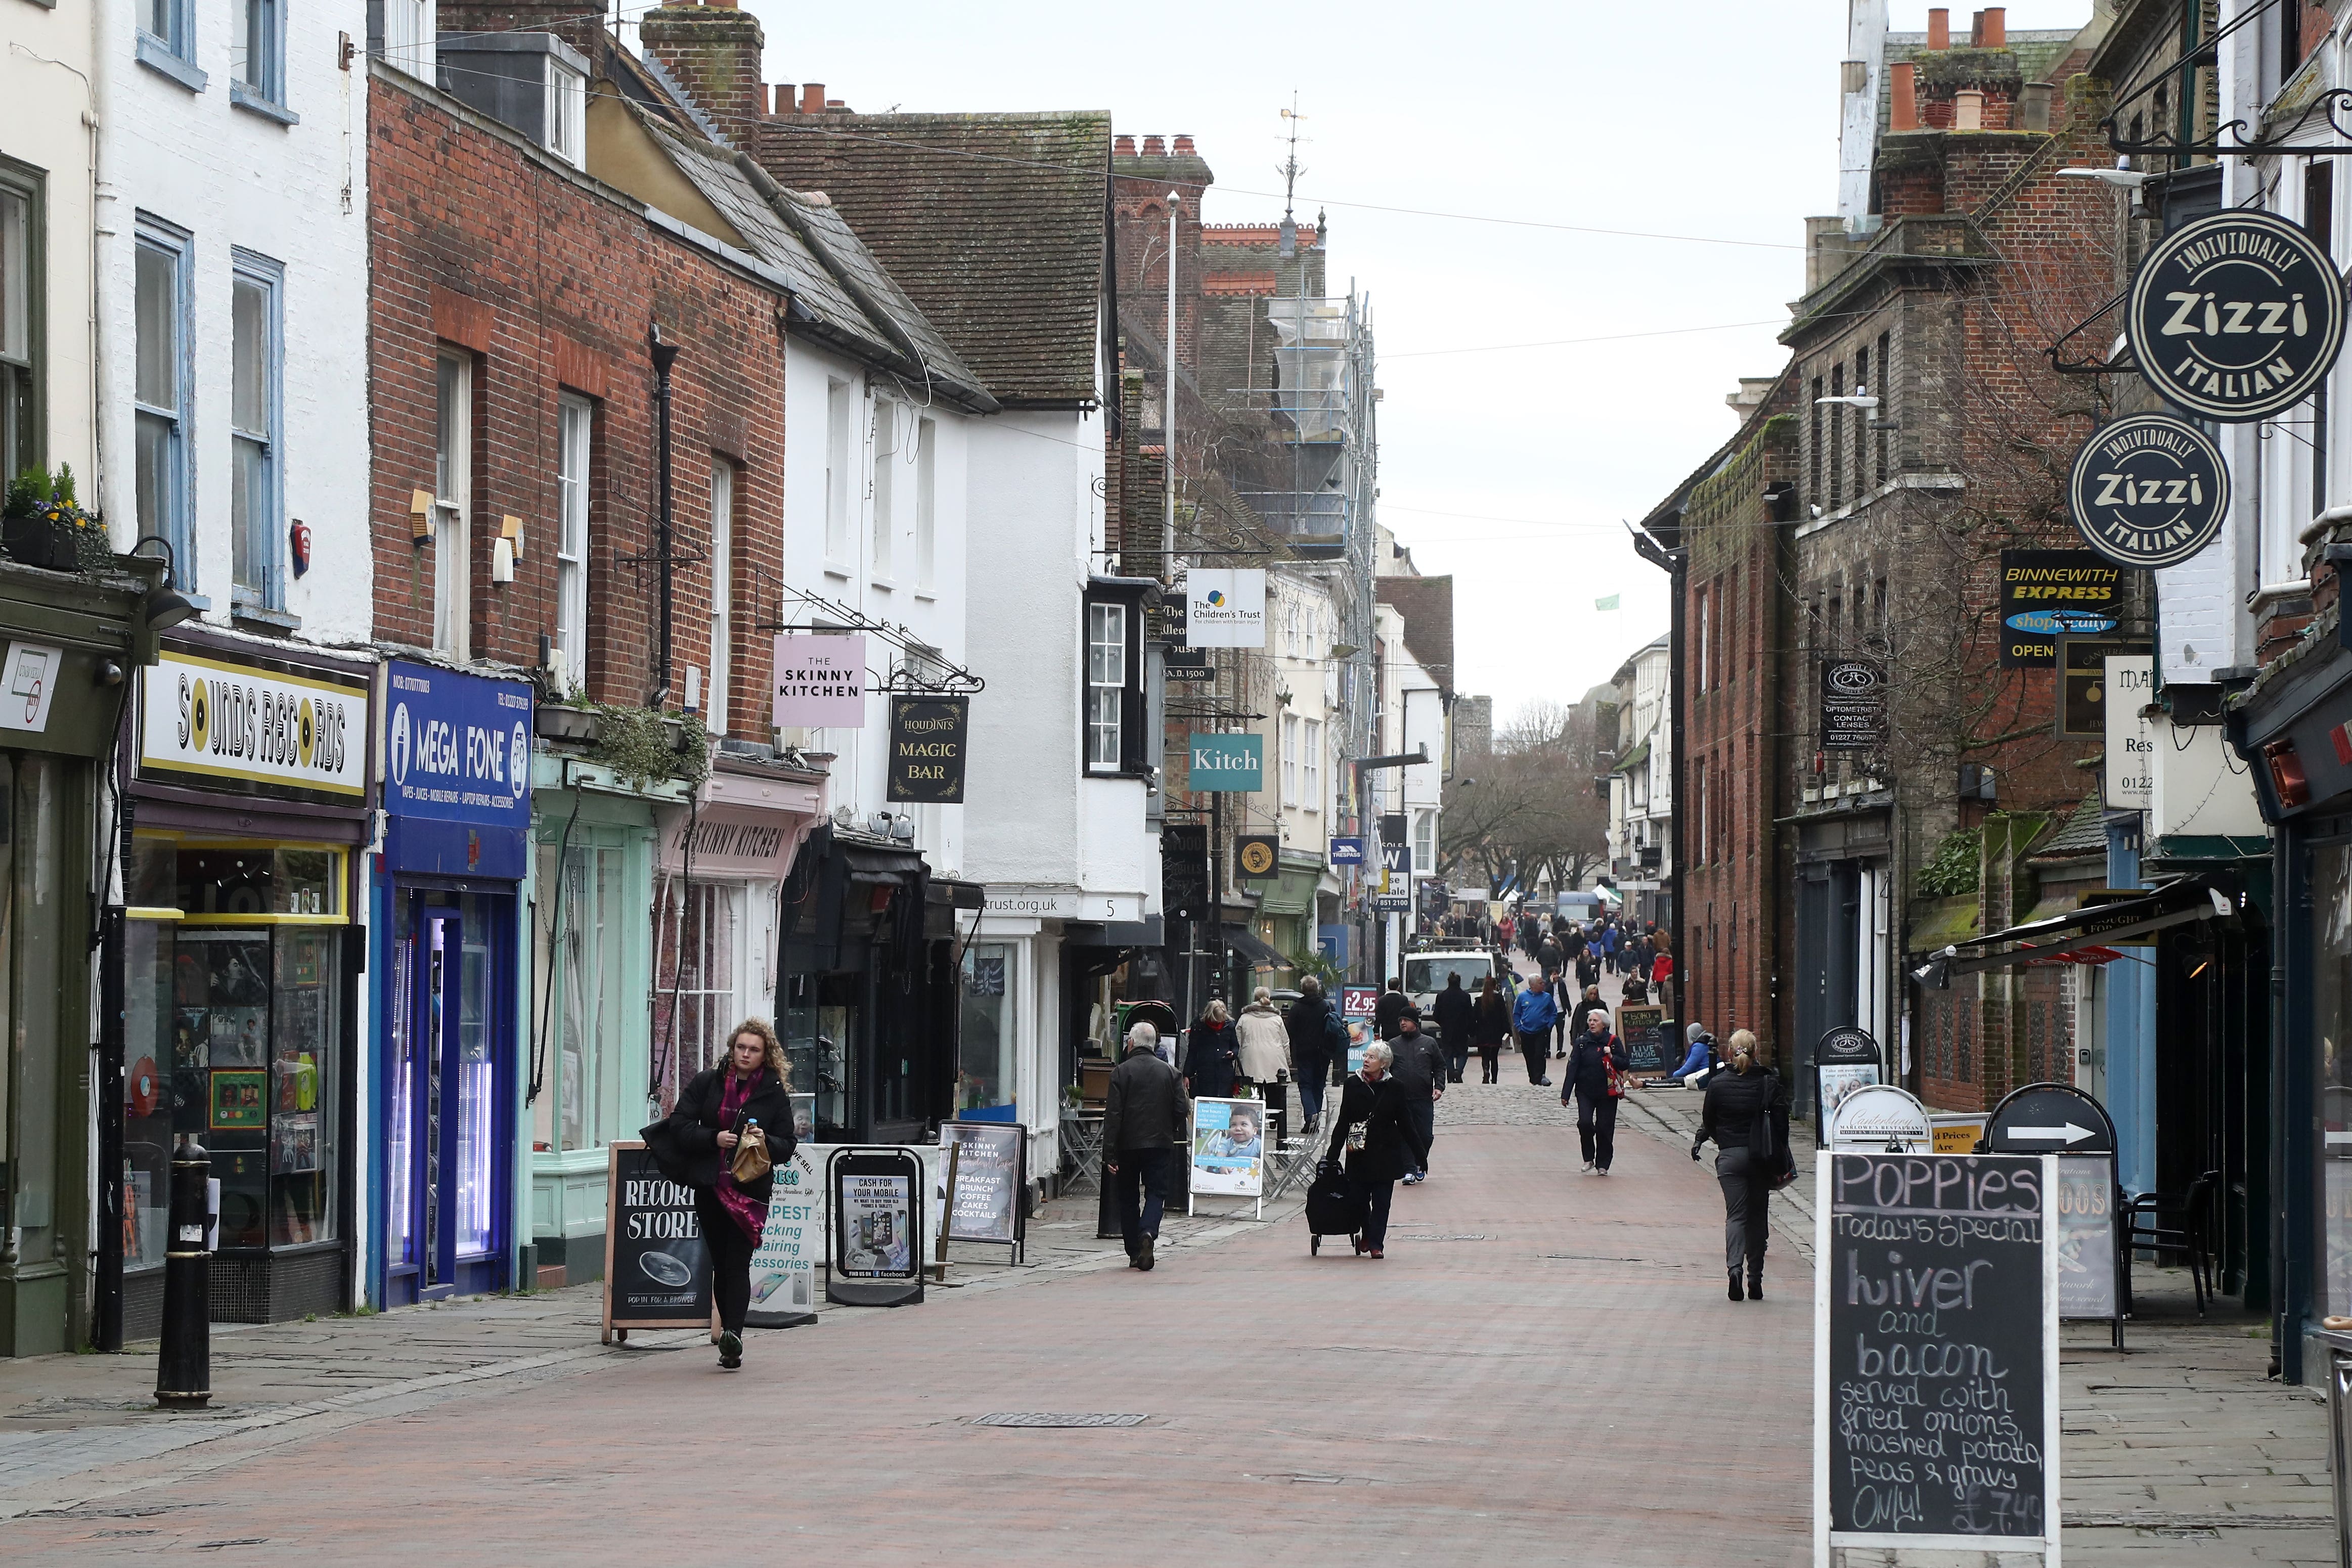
812 98
1903 106
788 97
1967 109
1155 147
714 52
1993 27
1940 28
1184 147
1123 147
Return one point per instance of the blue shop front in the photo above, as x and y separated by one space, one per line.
449 1072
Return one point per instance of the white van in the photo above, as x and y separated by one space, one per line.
1426 968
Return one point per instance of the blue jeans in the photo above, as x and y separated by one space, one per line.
1312 1076
1147 1170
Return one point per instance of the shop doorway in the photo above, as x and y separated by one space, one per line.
447 1122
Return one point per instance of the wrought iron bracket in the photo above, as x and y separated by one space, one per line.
2236 138
2100 366
920 671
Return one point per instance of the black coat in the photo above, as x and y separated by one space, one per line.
1144 1108
1577 1015
1392 1006
1490 1020
1389 1134
686 1147
1419 1065
1309 1021
1212 1056
1453 1009
1734 1100
1587 1072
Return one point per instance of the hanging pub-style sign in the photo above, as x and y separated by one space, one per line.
2236 316
927 748
2148 490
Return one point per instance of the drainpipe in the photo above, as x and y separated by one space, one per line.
663 355
1167 431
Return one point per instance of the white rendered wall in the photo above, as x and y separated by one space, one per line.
48 82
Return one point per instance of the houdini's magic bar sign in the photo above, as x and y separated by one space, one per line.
2148 490
927 748
2236 316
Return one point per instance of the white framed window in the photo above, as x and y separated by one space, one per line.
21 443
256 366
722 593
1290 741
409 30
1703 635
885 482
1424 843
453 485
576 420
567 113
1106 684
927 541
837 475
161 391
1310 764
258 62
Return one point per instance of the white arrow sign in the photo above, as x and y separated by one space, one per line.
2069 1133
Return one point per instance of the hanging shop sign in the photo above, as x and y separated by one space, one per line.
1188 664
28 683
2048 593
1936 1405
2128 778
2148 490
927 748
820 682
1347 851
1853 704
217 722
457 771
1225 763
1257 857
2236 316
2082 706
1224 608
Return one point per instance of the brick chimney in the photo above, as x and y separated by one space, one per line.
1940 28
1990 30
1123 147
812 98
714 52
1183 147
1903 98
1155 147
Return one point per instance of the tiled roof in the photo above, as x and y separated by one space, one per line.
832 309
2082 833
993 222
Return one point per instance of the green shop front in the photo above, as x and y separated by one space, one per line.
1286 916
71 645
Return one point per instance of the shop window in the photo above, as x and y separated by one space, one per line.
2331 1011
984 1066
257 356
586 938
824 1015
31 946
21 445
699 991
160 391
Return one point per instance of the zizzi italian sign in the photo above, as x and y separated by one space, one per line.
2048 593
2236 316
213 719
2148 490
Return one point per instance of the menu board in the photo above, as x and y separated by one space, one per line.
1643 1029
2087 1258
1936 1354
656 1264
988 1180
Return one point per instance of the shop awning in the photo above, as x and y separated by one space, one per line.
1245 941
2080 937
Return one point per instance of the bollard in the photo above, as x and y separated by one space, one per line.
184 1369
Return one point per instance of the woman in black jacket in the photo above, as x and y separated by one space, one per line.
1736 1100
1490 1025
1390 1147
1212 1055
713 1108
1595 1066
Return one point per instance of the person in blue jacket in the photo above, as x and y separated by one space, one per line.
1532 1017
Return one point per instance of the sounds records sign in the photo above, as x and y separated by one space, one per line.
213 721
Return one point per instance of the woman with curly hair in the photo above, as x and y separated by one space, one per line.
752 1085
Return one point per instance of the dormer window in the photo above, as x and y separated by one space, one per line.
567 113
533 83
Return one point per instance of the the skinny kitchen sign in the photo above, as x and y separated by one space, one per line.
820 683
927 748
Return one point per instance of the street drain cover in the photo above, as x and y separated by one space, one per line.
1053 1418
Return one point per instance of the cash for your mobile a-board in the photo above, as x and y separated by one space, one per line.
656 1263
1935 1410
1228 1152
991 1174
875 1244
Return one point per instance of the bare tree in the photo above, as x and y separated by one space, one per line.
1532 804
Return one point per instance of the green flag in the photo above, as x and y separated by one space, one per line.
1607 603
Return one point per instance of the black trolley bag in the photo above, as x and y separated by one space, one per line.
1328 1210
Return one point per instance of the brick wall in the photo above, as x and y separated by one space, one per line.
548 282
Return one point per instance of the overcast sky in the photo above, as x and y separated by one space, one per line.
1512 470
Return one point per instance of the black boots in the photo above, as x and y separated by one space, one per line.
1735 1284
1756 1281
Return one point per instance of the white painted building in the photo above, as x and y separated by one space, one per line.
48 313
1640 783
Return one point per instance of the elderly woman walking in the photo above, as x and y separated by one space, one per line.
1264 1040
1747 1115
1388 1148
699 1147
1212 1054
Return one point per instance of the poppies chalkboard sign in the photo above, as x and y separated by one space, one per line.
1935 1410
2148 490
2237 317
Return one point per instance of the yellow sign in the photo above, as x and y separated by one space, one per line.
1957 1134
215 718
1257 856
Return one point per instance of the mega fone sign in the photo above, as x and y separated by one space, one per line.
457 771
820 682
1224 608
2148 490
217 723
2236 316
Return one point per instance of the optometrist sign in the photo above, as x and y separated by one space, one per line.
2148 490
2236 316
217 722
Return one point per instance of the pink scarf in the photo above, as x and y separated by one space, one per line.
751 1216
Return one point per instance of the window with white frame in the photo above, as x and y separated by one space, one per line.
1106 684
885 482
1424 841
927 541
453 484
574 422
257 61
722 593
161 394
409 29
21 443
257 364
1290 745
567 113
1310 764
837 474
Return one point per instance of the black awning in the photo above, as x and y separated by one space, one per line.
1245 941
2042 941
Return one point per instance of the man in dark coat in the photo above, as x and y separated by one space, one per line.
1145 1117
1313 1024
1374 1101
1391 1007
1454 1012
1418 1065
1587 1077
